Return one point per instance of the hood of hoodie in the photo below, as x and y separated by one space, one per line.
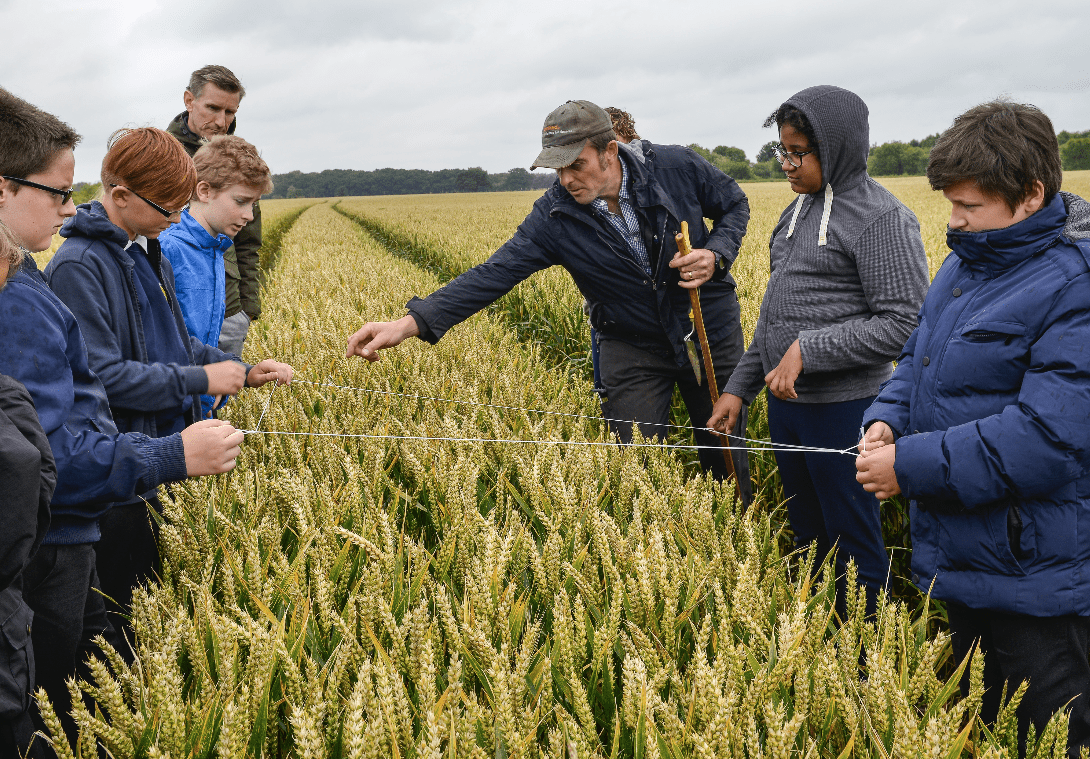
191 228
91 221
841 124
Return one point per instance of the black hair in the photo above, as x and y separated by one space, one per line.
793 117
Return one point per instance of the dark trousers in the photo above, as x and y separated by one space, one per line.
639 385
825 503
17 739
1050 652
61 586
127 556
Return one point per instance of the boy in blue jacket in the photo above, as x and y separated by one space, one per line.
231 177
985 424
42 346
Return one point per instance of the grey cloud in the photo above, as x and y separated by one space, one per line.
341 84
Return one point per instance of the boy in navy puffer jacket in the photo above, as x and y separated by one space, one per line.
985 424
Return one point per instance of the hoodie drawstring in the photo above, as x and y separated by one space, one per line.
823 230
795 216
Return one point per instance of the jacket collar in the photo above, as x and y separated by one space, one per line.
997 250
644 191
200 235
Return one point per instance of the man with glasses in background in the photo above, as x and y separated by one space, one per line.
211 101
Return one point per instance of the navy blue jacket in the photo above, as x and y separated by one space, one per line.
41 346
669 185
93 274
990 403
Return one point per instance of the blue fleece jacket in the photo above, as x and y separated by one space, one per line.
197 259
92 274
41 346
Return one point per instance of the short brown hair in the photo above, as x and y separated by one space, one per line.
31 138
151 163
11 250
1004 147
623 124
601 141
228 160
221 76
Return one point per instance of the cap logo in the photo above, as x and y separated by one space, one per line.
550 128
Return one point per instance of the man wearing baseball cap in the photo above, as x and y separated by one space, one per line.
610 220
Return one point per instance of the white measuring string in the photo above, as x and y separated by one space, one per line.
758 445
584 443
267 402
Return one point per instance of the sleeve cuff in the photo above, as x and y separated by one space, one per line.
196 380
920 466
165 458
425 331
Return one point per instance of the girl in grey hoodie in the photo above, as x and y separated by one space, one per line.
849 273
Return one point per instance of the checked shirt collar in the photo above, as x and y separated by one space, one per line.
626 222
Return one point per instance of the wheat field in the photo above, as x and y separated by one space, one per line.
418 589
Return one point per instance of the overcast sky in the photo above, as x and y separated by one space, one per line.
433 84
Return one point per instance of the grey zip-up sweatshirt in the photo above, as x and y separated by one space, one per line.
849 270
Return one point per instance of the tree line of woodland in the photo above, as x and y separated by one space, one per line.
887 159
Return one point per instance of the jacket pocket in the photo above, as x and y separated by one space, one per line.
978 540
987 357
16 663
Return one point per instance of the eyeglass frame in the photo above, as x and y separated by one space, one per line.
66 195
156 206
780 150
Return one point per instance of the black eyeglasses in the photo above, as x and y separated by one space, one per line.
783 154
156 206
65 195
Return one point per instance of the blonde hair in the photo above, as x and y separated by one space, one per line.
11 250
228 160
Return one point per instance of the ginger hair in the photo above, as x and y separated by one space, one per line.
152 164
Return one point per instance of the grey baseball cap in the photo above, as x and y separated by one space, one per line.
567 130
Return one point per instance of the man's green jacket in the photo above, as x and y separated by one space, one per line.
241 262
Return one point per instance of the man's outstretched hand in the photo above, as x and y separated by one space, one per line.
375 336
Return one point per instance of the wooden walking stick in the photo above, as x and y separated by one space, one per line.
684 249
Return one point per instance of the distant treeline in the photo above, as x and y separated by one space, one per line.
886 160
333 183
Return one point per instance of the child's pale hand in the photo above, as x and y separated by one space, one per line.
877 434
211 447
269 370
225 377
